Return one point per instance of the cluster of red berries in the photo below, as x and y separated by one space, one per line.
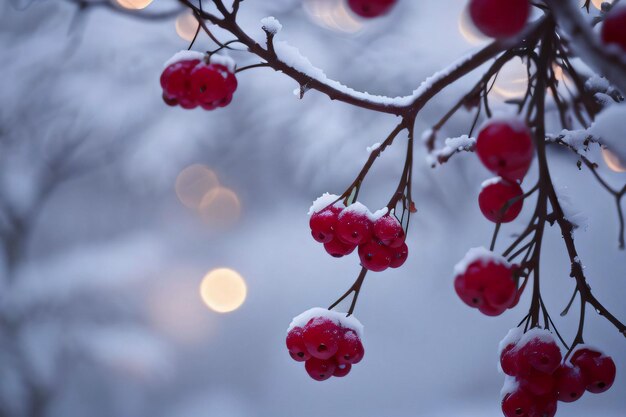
499 18
505 147
379 236
371 8
328 342
537 378
486 281
193 79
614 27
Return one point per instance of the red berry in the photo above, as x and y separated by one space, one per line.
501 293
599 370
545 406
506 148
388 229
537 383
169 101
320 369
175 79
570 383
499 18
485 281
542 354
337 248
323 224
518 404
354 226
501 202
321 337
491 311
614 28
295 345
342 369
371 8
509 359
399 256
212 85
350 349
375 256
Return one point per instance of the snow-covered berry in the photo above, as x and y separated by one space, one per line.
500 201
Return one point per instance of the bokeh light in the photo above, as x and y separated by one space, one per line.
468 30
613 161
223 290
134 4
220 207
194 183
596 3
333 15
512 80
186 26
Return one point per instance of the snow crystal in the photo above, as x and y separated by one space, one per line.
379 213
510 385
374 147
360 208
184 55
596 83
337 317
574 216
535 334
574 138
452 145
271 25
512 337
223 60
477 254
609 127
490 181
324 201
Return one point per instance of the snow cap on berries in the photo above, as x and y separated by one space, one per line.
360 208
478 254
184 55
337 317
324 201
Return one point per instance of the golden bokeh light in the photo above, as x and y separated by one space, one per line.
134 4
186 26
333 15
468 30
512 81
223 290
596 3
194 183
613 161
220 207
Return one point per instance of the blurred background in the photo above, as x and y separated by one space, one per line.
153 257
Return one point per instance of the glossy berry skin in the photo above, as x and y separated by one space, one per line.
545 406
337 249
599 370
506 149
614 28
499 18
486 282
388 230
509 358
295 345
176 82
537 383
570 383
354 227
518 404
320 369
350 349
323 224
494 198
321 338
375 256
399 256
371 8
342 370
543 355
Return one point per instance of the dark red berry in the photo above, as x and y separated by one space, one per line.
342 369
295 345
599 370
614 27
509 359
169 101
399 256
388 229
337 248
371 8
537 383
175 79
501 201
350 349
486 281
518 404
354 226
570 383
506 148
320 369
375 256
499 18
321 337
545 406
501 293
323 224
542 353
